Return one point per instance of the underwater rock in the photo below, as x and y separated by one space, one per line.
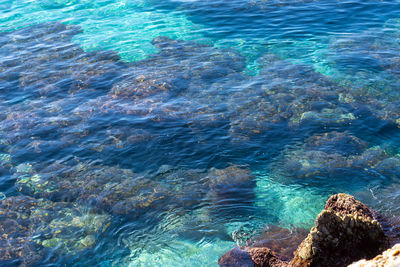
120 191
17 45
334 155
116 190
231 182
139 86
51 76
30 226
367 64
15 234
236 257
274 247
55 65
344 231
96 71
378 46
58 68
390 257
321 154
29 121
123 136
188 187
177 84
199 61
253 257
33 126
178 66
380 160
370 157
286 94
281 241
273 241
336 116
5 163
336 142
389 167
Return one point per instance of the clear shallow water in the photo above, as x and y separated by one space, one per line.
141 133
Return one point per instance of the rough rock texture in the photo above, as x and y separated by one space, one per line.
236 257
264 257
389 258
345 231
282 241
29 227
266 248
347 205
258 257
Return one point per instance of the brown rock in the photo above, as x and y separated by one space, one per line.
282 241
236 257
389 258
264 257
346 204
256 256
345 231
264 250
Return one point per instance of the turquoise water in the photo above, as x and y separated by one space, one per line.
143 133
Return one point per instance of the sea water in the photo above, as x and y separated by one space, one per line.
205 125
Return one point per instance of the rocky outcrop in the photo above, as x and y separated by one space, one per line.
344 232
390 257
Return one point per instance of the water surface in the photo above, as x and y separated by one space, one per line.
140 133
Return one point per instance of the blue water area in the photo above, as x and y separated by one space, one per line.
146 133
